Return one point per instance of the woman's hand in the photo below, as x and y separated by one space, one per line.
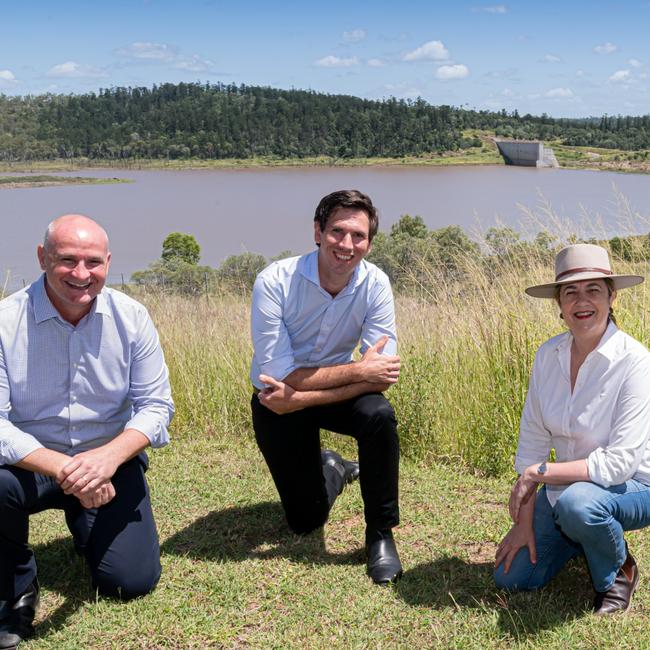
521 492
518 536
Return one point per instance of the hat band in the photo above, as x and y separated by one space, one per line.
582 269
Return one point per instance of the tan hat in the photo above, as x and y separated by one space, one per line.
582 262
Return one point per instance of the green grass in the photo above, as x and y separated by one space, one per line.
234 576
41 180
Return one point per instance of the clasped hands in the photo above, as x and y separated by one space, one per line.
373 368
88 477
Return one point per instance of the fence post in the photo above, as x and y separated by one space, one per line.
123 287
207 289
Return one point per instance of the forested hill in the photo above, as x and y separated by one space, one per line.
229 121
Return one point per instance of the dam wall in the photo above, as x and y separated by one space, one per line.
526 153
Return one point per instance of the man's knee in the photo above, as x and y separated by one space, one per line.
303 520
10 488
127 583
376 415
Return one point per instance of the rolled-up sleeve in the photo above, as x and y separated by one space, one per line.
534 439
620 459
14 443
149 389
271 342
380 319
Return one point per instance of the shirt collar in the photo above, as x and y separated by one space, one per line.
309 271
607 346
44 309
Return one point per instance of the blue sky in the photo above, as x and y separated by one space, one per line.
563 58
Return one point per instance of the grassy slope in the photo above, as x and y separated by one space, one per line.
234 576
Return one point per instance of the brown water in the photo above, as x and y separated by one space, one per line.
270 210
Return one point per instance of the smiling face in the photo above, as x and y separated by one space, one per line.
75 259
585 306
343 244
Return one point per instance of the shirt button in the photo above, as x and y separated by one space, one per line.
73 397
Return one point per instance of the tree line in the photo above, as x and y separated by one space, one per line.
414 257
222 121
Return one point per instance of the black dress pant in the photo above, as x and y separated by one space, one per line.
290 444
119 539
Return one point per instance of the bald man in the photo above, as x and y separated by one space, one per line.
84 390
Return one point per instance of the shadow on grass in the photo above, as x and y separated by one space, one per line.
62 571
454 582
257 531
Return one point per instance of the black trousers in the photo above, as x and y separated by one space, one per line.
290 445
119 540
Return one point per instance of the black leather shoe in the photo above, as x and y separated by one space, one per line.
17 617
618 597
348 469
384 566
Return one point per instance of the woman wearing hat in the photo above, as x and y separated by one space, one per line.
589 400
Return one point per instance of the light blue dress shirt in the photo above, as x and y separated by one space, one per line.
75 388
295 323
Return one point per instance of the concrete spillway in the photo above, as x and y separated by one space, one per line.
526 153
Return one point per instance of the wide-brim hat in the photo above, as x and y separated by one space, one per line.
582 262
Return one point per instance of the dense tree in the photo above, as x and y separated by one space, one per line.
192 120
178 245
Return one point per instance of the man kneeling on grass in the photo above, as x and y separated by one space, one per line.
83 391
308 315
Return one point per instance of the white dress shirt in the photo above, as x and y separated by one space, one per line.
73 388
606 420
295 323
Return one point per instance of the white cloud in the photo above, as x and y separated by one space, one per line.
551 58
580 73
430 51
354 36
620 76
375 63
193 63
148 51
332 61
506 92
72 70
561 93
7 78
635 63
605 48
458 71
493 9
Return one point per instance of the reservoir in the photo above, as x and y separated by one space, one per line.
269 210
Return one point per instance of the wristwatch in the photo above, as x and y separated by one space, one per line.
541 470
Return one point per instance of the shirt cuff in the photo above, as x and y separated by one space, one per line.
598 471
150 426
279 369
20 446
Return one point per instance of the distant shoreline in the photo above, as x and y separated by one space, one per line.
613 160
16 182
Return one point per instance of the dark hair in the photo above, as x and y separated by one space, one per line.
347 199
610 290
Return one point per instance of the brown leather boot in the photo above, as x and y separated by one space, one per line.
618 597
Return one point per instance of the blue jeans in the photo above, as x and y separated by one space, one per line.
586 520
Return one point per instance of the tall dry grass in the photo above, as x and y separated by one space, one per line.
467 346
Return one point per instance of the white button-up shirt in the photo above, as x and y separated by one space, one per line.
295 323
606 420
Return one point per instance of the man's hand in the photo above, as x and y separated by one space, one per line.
378 368
87 472
278 396
521 492
99 497
518 537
